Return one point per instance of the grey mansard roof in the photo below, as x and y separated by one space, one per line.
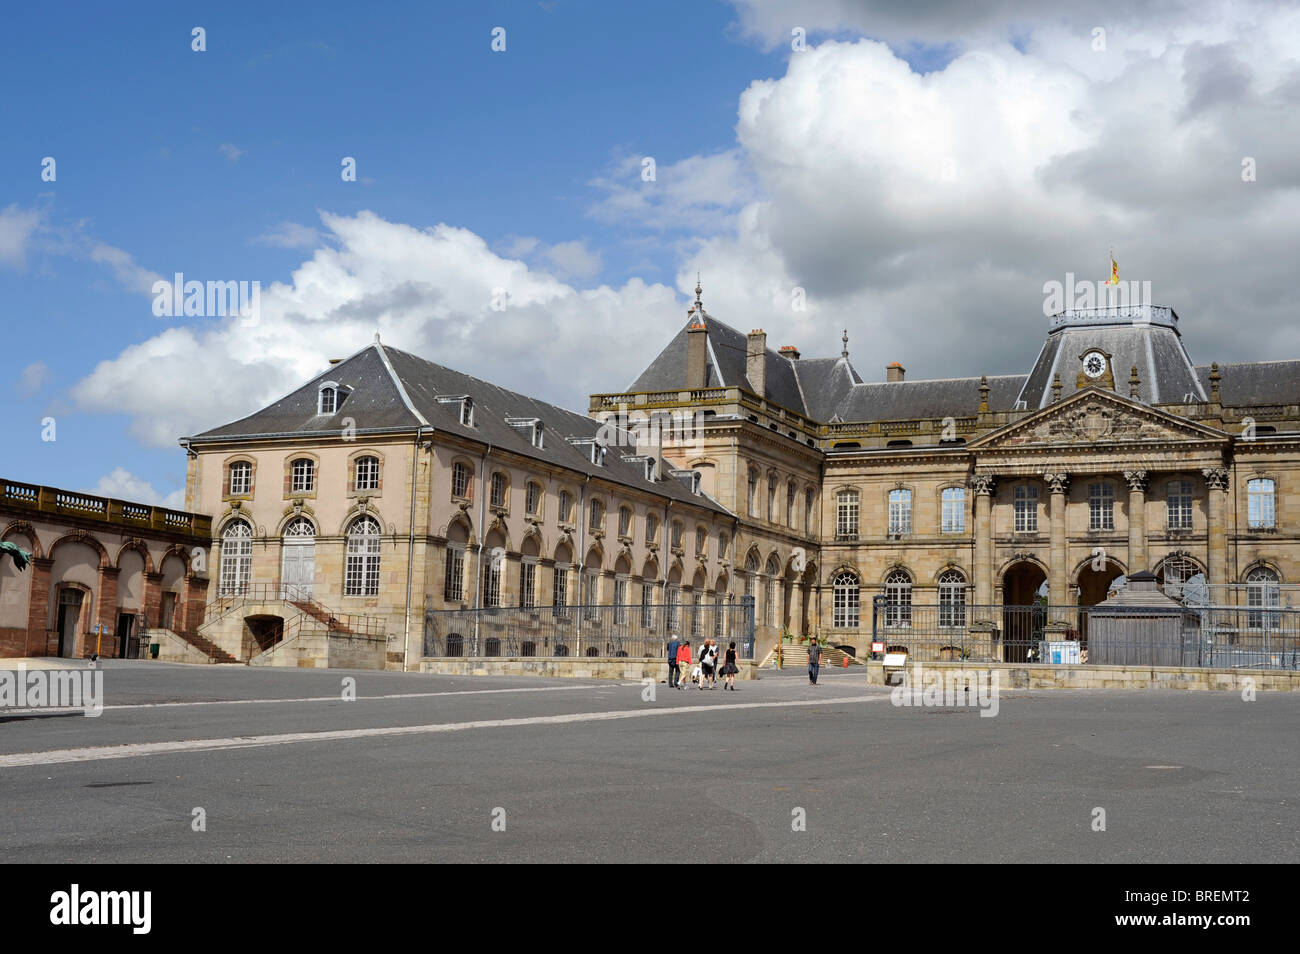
1255 382
393 390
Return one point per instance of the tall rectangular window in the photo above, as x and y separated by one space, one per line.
532 497
647 605
1101 507
528 583
241 477
591 597
846 515
954 510
790 494
1025 500
1178 502
900 511
1260 503
620 600
497 495
459 480
674 606
561 587
752 497
454 577
492 584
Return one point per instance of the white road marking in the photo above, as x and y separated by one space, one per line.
4 711
136 749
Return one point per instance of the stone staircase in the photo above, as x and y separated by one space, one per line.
206 646
795 656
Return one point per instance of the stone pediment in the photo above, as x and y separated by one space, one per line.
1092 417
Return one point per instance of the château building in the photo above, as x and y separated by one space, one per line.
389 485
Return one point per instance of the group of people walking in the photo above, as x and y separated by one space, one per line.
707 671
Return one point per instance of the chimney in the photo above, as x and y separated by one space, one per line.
697 365
894 371
790 351
756 362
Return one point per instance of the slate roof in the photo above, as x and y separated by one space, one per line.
725 367
943 397
396 390
1165 372
1255 382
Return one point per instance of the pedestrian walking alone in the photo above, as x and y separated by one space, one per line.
729 669
674 670
814 661
683 661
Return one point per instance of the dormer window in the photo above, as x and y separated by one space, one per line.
595 449
330 397
465 409
531 427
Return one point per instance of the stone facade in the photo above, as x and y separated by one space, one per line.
96 561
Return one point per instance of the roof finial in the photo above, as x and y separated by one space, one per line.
376 337
698 290
845 353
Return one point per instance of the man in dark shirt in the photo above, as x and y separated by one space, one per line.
814 661
674 671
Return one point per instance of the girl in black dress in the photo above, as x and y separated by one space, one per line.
729 669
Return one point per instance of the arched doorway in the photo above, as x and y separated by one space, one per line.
1022 584
1024 614
1094 584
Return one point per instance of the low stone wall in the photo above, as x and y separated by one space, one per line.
1022 676
171 648
325 650
585 667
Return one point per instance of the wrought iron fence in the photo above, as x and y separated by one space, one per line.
631 631
1199 637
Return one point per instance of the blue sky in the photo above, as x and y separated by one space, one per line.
776 168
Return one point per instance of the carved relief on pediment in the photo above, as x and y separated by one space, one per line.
1096 421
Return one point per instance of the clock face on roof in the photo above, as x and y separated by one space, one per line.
1094 364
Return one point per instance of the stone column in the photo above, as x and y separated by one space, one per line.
1216 480
151 605
1137 521
106 615
985 486
796 607
1058 580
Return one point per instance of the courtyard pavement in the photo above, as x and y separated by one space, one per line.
432 768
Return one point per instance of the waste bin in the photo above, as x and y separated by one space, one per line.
153 650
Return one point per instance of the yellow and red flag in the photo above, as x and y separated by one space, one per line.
1114 272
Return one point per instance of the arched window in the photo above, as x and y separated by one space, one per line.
952 598
236 558
367 473
898 599
241 478
1263 591
846 596
361 573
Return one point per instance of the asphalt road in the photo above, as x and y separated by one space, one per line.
428 768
